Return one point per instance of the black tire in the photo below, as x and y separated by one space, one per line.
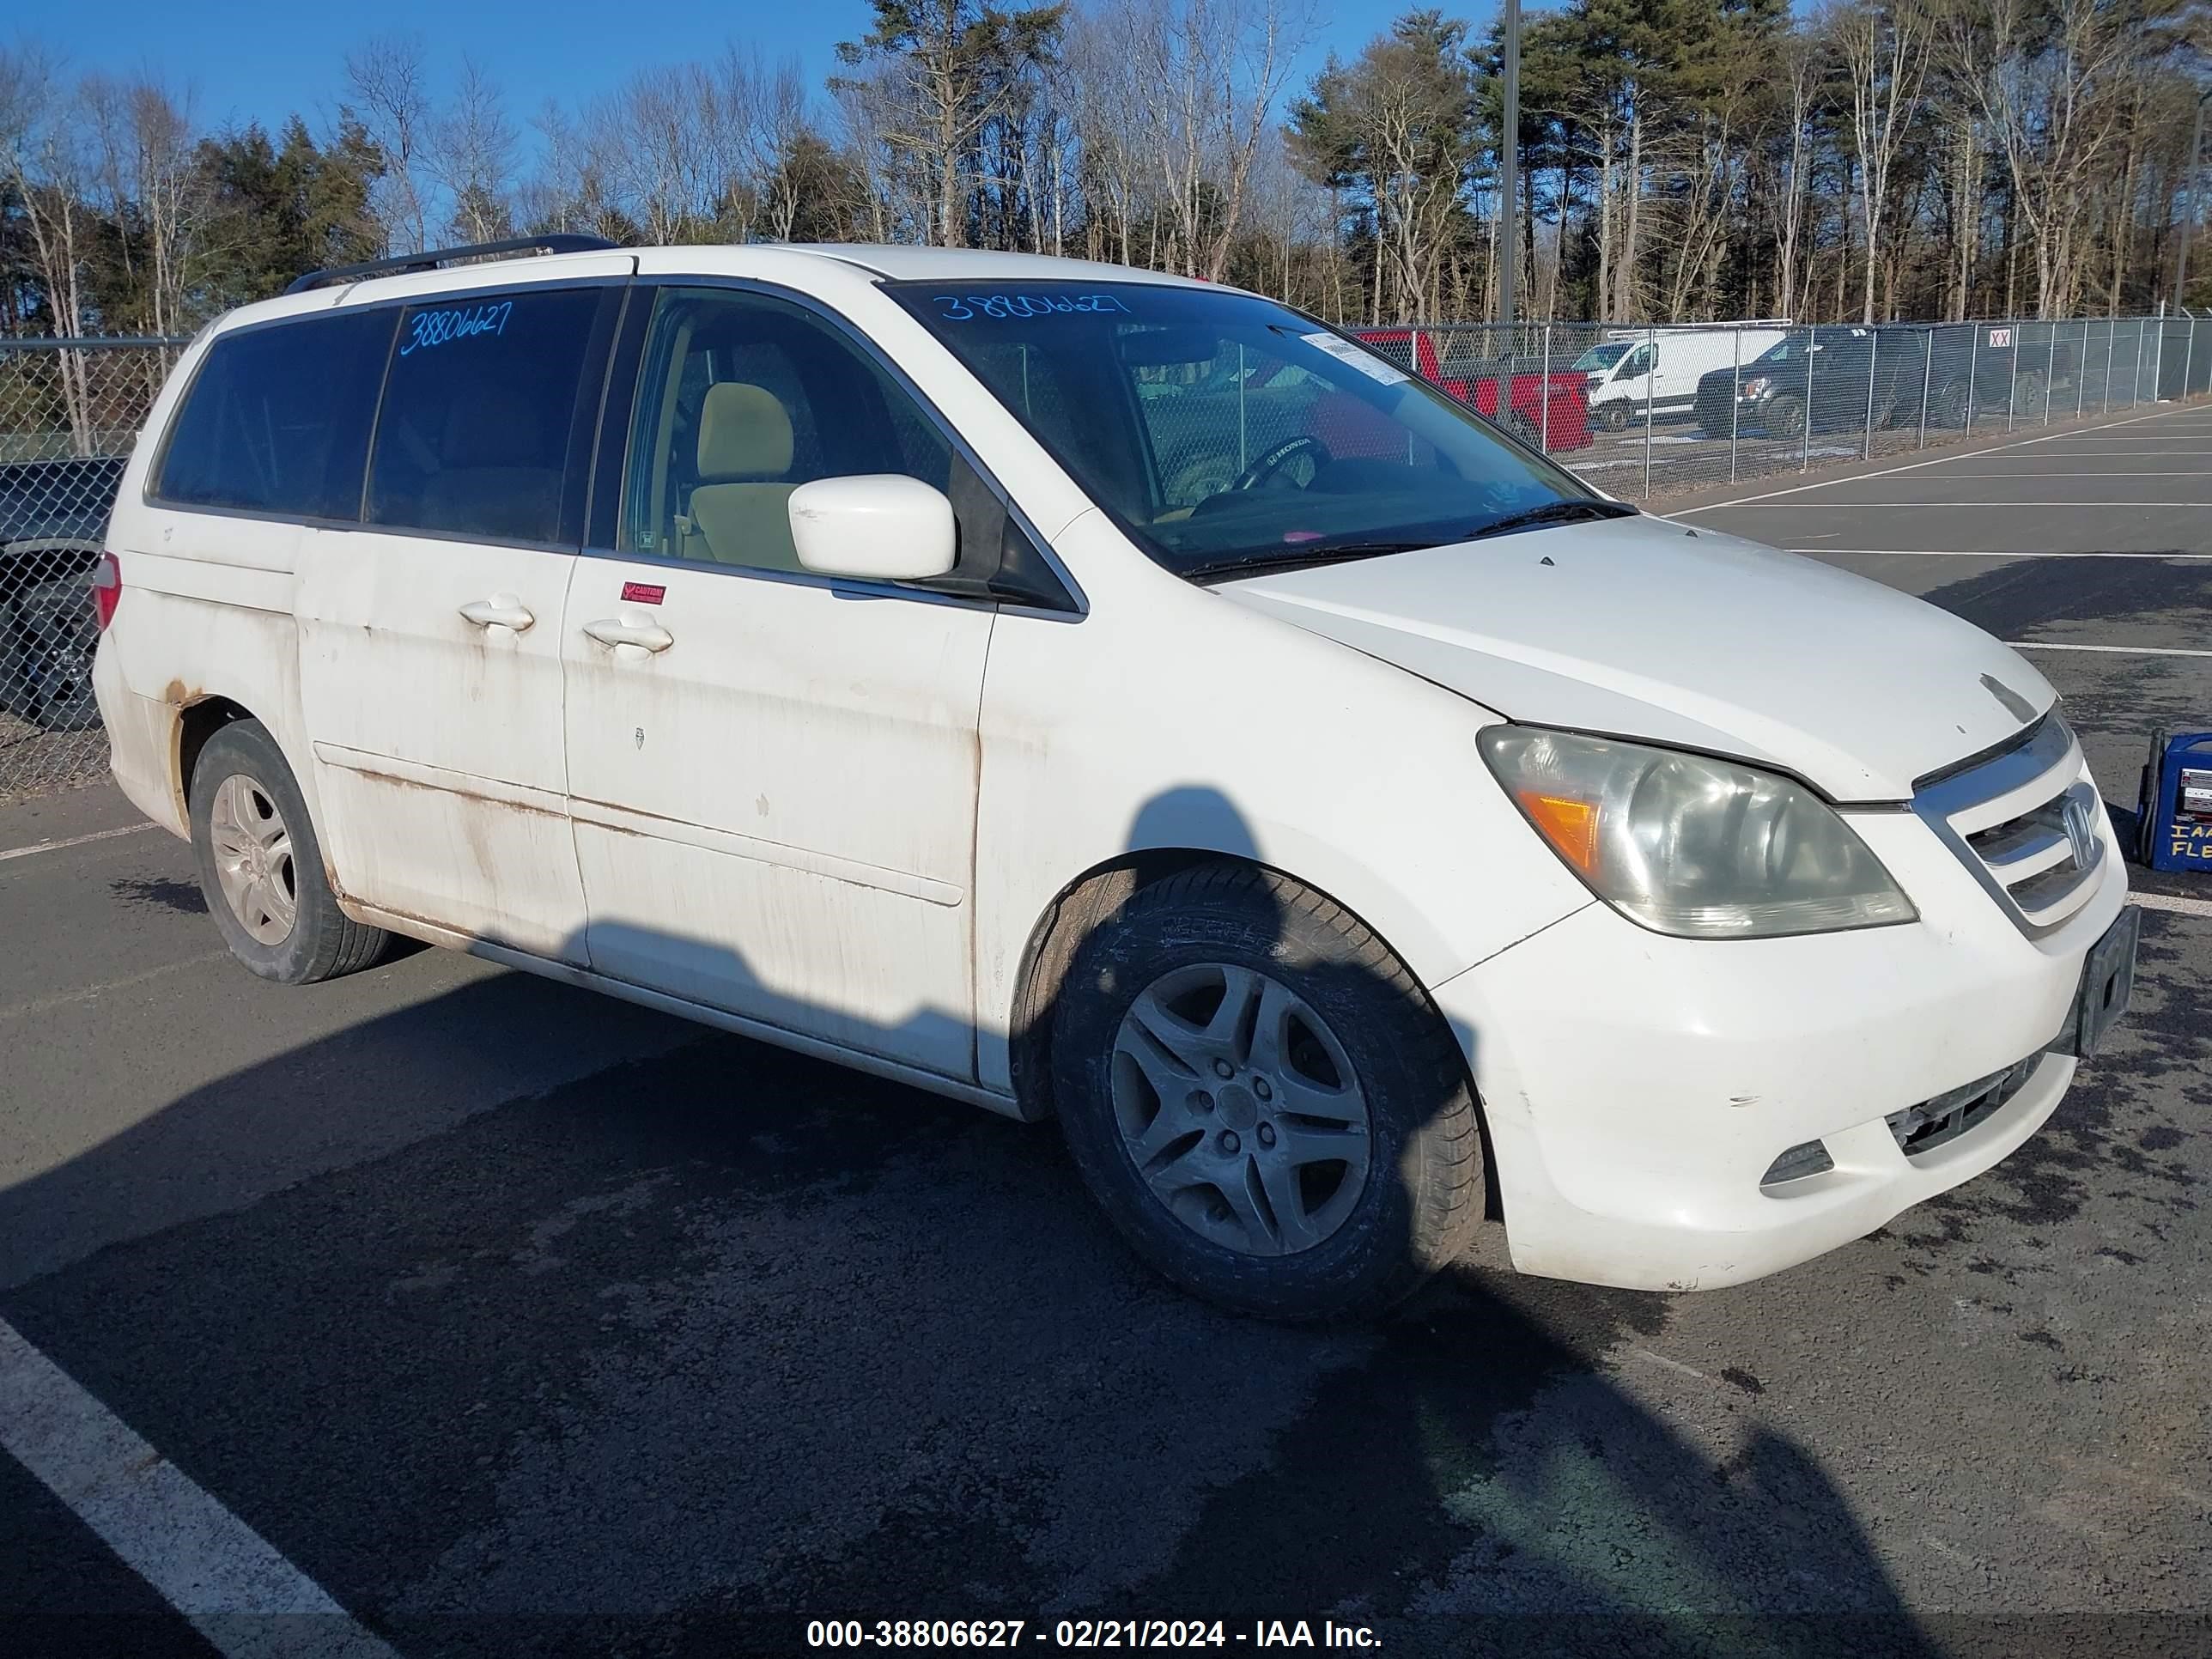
2147 797
1949 406
1423 1193
2029 397
1782 416
1612 416
323 942
47 635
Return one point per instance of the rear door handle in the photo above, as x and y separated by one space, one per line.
500 611
615 630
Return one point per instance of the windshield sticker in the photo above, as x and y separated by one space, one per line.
1003 307
436 328
1353 357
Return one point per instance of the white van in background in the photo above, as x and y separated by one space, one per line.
1633 367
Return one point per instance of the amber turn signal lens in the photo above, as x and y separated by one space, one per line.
1569 824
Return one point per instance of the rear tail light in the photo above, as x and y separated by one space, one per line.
107 588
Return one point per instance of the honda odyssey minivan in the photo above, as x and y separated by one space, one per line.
1350 832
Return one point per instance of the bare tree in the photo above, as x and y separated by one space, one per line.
472 155
390 89
48 160
1883 46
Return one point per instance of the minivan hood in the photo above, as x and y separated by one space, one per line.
1641 628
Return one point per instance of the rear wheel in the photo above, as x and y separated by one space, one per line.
1259 1096
261 867
1949 407
2030 397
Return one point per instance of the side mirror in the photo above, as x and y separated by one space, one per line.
882 526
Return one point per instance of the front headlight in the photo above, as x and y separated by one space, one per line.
1697 847
1756 386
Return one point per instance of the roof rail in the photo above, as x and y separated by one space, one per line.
554 242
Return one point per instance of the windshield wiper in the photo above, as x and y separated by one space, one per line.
1551 512
1306 559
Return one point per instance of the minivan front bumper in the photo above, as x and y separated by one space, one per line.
1639 1088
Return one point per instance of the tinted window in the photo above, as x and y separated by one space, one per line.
479 410
1226 432
741 399
277 419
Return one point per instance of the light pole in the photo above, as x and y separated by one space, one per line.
1508 169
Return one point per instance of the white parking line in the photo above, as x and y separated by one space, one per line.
233 1585
2108 650
1853 506
1970 553
70 841
1935 460
2186 907
2179 472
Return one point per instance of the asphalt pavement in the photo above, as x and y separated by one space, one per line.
506 1317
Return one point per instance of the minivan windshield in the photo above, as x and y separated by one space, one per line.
1229 435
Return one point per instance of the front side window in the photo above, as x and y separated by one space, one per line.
1225 433
741 399
480 412
276 419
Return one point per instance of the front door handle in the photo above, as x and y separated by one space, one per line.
500 611
616 630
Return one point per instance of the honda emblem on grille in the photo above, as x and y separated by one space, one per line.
2080 816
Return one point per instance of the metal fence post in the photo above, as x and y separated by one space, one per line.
1973 361
2110 328
2049 372
1736 402
1543 396
2134 385
1805 426
2011 380
1873 363
1650 379
2082 371
1927 371
2189 357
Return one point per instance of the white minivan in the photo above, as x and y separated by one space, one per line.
1634 373
1367 829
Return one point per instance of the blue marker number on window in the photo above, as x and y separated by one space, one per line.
437 328
1004 308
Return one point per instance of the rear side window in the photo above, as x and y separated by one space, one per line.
277 419
479 414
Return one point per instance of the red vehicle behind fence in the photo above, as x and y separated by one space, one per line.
1550 409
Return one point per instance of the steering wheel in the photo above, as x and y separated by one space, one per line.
1274 460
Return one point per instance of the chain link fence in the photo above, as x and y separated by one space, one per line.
1648 411
69 410
1644 412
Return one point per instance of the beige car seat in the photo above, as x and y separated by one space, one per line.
740 508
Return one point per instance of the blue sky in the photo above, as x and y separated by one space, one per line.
260 61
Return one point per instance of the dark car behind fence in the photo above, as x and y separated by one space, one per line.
1789 398
69 411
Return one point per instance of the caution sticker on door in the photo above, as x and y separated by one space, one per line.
643 592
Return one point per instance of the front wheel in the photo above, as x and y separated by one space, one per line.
1613 417
1784 416
1263 1101
261 867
